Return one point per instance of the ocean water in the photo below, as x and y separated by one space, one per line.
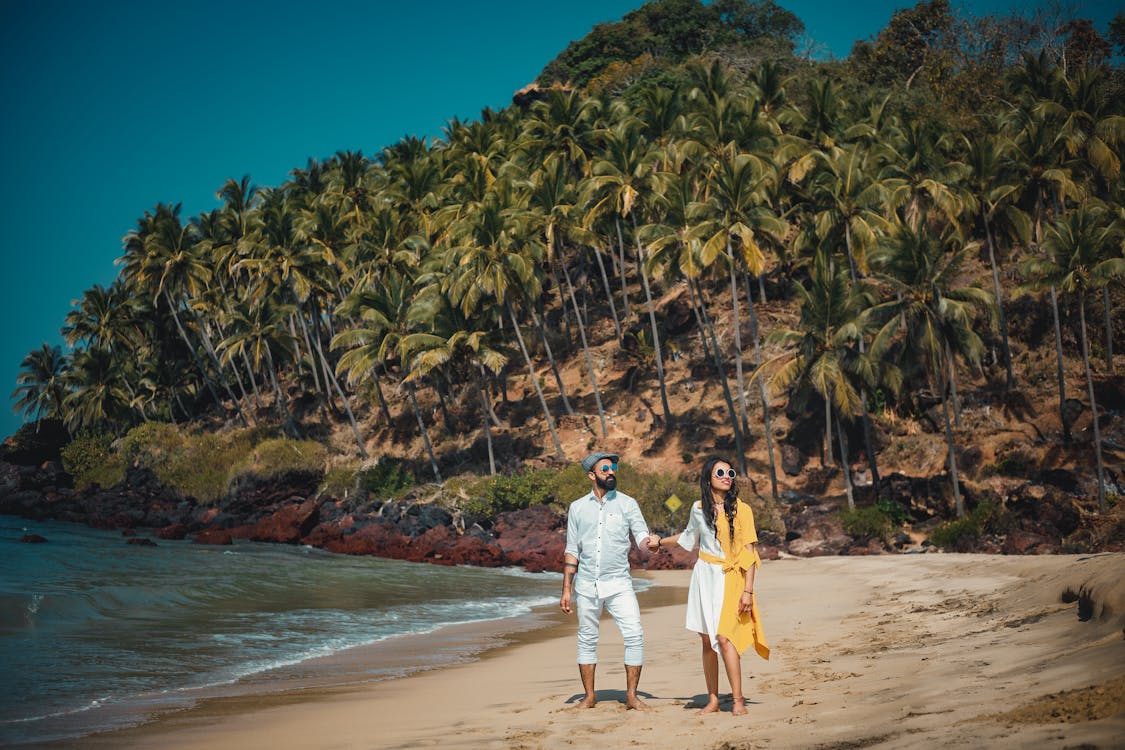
97 634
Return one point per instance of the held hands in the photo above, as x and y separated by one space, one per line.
653 543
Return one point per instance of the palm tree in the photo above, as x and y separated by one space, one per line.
822 355
848 200
991 193
162 260
1077 259
488 261
381 311
927 178
932 313
739 215
553 198
453 341
41 384
95 401
675 241
619 179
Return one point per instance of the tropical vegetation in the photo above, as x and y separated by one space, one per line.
690 155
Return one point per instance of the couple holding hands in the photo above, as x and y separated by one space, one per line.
721 606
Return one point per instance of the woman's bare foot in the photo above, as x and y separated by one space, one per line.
712 707
633 702
588 702
738 708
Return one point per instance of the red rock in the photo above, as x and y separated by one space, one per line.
175 531
288 524
213 536
1019 542
381 539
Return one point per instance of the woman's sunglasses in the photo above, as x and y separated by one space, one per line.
720 473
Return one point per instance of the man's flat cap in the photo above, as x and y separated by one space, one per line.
591 460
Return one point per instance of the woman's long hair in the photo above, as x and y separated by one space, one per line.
730 499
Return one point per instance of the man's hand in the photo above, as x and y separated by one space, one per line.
564 601
653 543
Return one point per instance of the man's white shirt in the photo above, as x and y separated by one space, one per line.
598 535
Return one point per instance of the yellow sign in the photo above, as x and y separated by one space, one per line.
673 503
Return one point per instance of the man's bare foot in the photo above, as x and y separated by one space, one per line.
739 707
712 707
588 702
633 702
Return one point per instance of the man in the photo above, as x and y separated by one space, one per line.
596 572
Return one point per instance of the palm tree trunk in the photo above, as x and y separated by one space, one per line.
422 430
1008 380
253 379
343 398
848 246
586 351
1093 403
1059 365
845 465
562 298
191 350
320 399
737 326
535 382
383 408
443 398
695 305
766 429
652 323
625 314
826 458
484 423
290 424
609 296
953 386
723 380
551 360
957 502
1108 330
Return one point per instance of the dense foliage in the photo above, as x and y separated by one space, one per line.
443 270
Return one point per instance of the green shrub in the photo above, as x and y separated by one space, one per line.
340 482
387 478
197 466
150 443
202 468
90 460
975 523
279 456
867 523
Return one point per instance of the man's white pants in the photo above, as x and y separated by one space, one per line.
626 613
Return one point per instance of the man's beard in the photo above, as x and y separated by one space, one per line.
609 483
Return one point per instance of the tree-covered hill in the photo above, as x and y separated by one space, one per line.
899 266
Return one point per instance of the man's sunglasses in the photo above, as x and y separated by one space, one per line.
607 467
720 473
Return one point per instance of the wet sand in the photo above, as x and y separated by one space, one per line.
906 651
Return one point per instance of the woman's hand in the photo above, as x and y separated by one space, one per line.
745 602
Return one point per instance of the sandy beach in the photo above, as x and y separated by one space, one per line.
906 651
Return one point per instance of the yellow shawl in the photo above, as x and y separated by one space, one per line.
745 629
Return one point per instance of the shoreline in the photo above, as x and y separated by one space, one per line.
884 651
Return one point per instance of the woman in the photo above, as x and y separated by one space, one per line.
721 605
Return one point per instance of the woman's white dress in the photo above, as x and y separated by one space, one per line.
705 594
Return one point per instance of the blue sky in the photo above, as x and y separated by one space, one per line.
113 107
